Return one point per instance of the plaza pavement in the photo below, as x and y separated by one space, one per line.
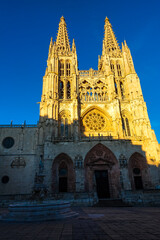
92 223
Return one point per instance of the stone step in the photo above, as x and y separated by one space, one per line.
47 210
111 203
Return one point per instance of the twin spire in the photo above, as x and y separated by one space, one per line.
62 45
110 44
62 41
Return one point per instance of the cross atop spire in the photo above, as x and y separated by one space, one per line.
110 44
62 41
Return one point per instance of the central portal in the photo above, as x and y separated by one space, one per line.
102 183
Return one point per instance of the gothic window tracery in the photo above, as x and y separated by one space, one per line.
112 66
94 121
125 126
93 92
119 70
68 69
61 68
65 126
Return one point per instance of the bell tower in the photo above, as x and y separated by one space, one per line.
59 101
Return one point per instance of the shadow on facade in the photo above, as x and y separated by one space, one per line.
110 167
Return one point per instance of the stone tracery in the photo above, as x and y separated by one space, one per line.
93 91
94 121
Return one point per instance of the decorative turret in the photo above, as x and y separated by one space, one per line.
74 60
128 61
73 46
50 48
62 41
110 44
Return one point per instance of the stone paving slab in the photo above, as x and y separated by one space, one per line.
92 223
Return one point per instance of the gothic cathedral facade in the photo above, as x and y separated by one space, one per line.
94 134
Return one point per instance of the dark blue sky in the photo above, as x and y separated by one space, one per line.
27 25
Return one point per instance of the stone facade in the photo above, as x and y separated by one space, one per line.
94 135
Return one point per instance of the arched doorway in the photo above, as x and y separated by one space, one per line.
138 172
63 175
102 172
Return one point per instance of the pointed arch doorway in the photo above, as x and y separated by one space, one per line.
63 175
139 172
102 174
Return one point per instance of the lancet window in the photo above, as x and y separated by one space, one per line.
119 69
115 85
122 90
68 69
128 128
61 68
65 127
68 90
112 67
61 90
125 126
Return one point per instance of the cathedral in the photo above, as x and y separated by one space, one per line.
94 135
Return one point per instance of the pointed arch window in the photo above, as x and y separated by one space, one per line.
68 90
112 67
61 90
64 127
122 90
115 85
68 69
61 68
119 70
125 126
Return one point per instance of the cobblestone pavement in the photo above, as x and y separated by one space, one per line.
92 223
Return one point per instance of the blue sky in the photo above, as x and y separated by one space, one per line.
26 27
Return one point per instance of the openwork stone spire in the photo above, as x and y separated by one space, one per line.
62 41
110 44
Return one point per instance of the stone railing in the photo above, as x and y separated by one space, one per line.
93 97
18 125
89 73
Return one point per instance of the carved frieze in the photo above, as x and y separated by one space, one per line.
18 162
78 161
122 161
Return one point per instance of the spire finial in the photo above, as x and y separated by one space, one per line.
62 19
106 19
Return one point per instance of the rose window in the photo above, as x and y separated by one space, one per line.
94 121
